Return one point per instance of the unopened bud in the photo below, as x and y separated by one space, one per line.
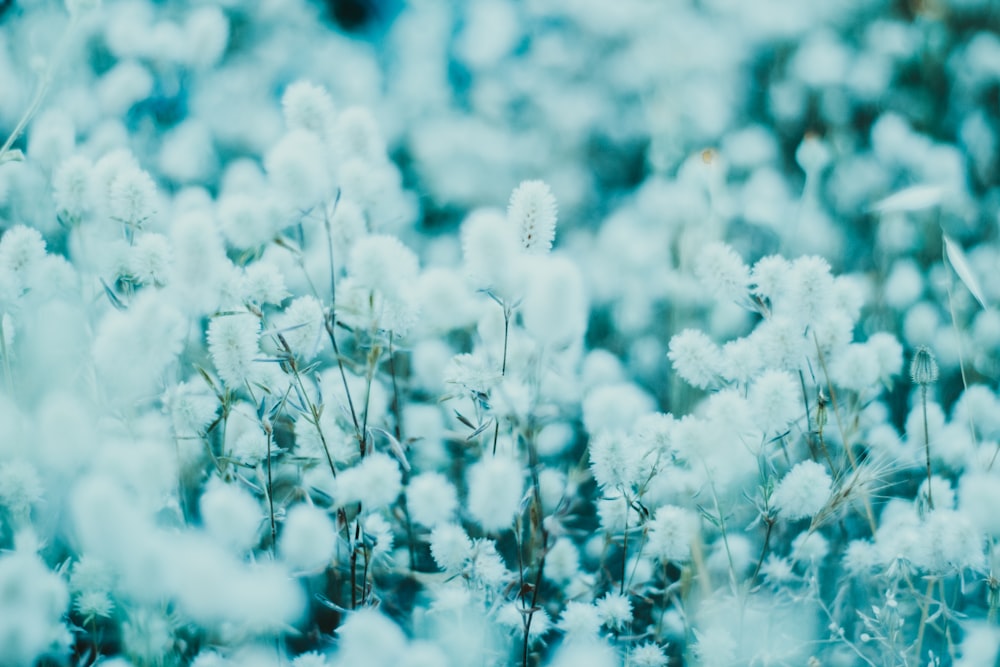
924 368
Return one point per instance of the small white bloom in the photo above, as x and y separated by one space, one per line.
615 462
132 197
555 308
615 407
310 659
580 621
810 548
473 372
73 188
431 499
450 546
615 611
356 135
296 167
647 655
248 220
382 263
949 541
770 276
775 399
696 358
94 603
151 260
301 325
308 538
233 344
374 482
562 562
855 367
495 486
808 290
723 272
231 515
671 532
22 250
20 487
307 106
532 210
490 253
263 282
803 491
485 566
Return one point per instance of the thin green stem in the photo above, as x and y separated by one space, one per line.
769 523
927 445
270 495
503 369
628 506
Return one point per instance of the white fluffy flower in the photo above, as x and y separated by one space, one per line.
262 282
647 655
562 561
810 548
490 253
616 513
151 259
671 532
722 272
73 188
776 399
233 344
248 220
473 372
307 106
615 407
888 355
855 367
431 499
230 514
94 603
301 325
495 487
33 602
356 135
374 482
770 276
308 538
382 263
297 169
949 541
20 487
132 348
803 491
780 343
580 620
310 659
512 615
22 250
533 212
555 308
695 358
615 462
485 566
132 197
615 611
450 546
808 291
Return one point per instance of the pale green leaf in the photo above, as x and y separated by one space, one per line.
956 257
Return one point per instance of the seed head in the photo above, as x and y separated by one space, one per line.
924 368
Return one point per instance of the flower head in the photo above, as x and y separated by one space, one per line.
532 209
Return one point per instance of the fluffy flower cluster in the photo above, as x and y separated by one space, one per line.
282 380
